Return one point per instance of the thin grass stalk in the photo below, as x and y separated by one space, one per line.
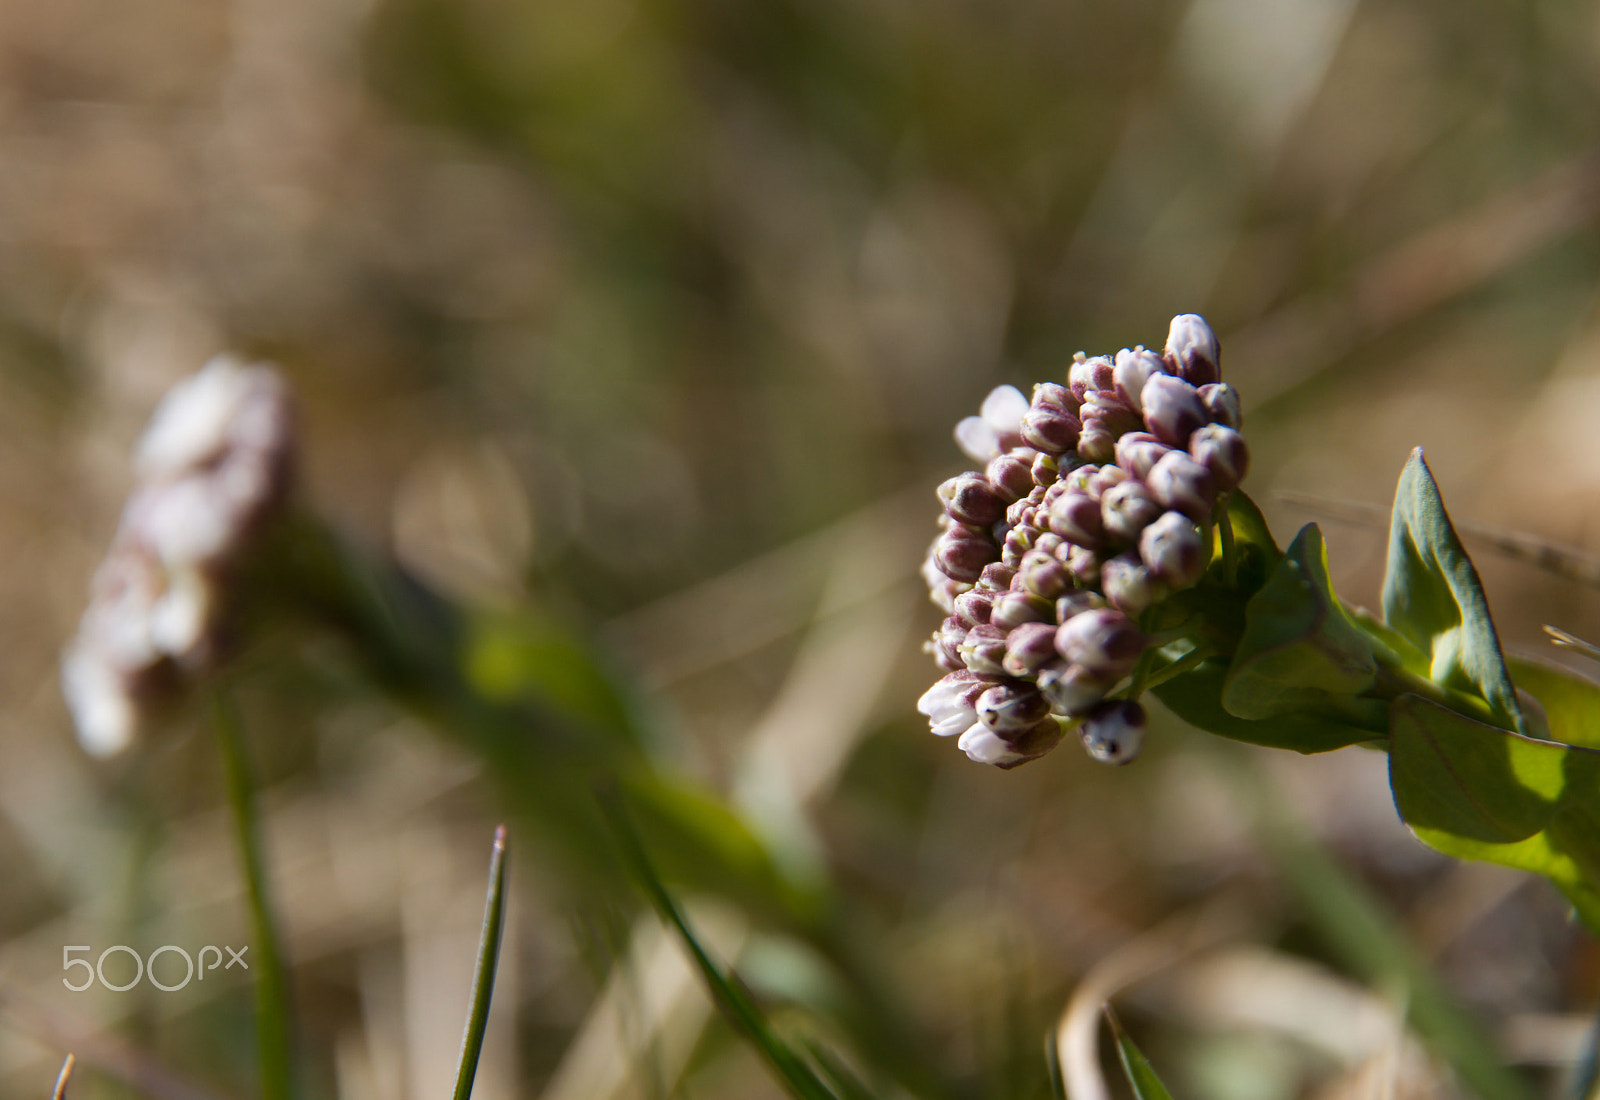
494 913
274 1021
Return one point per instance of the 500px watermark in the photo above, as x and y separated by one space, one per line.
145 966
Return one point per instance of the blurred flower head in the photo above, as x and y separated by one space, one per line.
1095 504
212 468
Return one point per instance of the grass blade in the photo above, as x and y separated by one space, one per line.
274 1018
1141 1077
796 1075
494 912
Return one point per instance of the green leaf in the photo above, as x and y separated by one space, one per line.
1300 648
1476 791
1141 1077
1570 701
1196 698
1432 596
1255 550
494 914
736 1005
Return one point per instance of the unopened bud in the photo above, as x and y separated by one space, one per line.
1127 509
1011 476
1133 371
1113 413
1012 609
997 576
1043 574
1222 405
1138 452
962 552
1114 731
946 644
984 649
1076 518
1072 689
1084 565
1172 409
973 606
1183 485
1076 603
1193 351
1087 375
1174 551
1046 469
982 745
1011 708
1223 452
1129 585
971 499
1048 425
1029 648
1096 442
1103 641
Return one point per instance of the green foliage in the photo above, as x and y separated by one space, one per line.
1300 649
1141 1076
1196 697
1432 596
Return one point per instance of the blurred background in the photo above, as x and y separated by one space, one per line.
652 318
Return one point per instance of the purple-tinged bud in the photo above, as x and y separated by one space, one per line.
1019 511
1072 689
1222 405
952 704
1173 549
1172 409
1133 372
1076 603
1105 642
983 649
1045 469
997 577
1096 442
1084 565
1050 428
1078 481
1052 544
1127 509
973 606
971 499
1018 541
1107 478
941 589
1114 731
1088 375
962 552
1129 585
1114 414
1076 518
984 746
1011 708
1054 396
1029 648
1138 452
1043 574
1183 485
1011 475
1018 606
947 643
1193 351
1223 452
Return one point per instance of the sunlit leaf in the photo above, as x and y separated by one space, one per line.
1475 791
1432 595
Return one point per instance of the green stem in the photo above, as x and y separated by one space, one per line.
273 1019
1230 556
494 912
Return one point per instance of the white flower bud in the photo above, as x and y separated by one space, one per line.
1193 351
1114 732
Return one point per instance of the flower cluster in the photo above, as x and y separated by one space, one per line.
213 466
1094 504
